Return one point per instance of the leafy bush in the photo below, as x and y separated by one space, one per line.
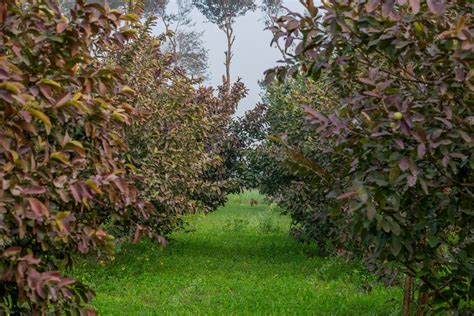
400 81
222 144
298 192
62 113
177 142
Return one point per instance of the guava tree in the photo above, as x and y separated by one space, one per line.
401 81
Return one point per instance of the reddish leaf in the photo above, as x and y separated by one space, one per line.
445 121
61 26
415 6
34 190
399 143
346 195
436 6
403 165
63 99
371 5
38 208
421 149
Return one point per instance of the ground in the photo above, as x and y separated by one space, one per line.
239 260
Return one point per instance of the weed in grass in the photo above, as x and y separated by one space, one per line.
236 224
266 222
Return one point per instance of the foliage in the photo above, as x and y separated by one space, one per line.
223 145
218 11
190 53
297 191
176 143
62 114
271 8
223 13
185 44
154 7
402 119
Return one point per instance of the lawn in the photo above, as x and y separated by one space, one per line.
238 260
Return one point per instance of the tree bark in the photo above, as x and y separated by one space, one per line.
229 32
407 295
422 301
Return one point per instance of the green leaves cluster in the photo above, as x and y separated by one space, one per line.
276 134
218 11
400 79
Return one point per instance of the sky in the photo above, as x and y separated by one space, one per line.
252 51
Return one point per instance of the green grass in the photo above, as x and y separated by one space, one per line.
238 260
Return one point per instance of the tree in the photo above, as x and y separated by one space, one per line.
66 5
62 119
269 168
271 8
401 85
154 7
145 7
223 13
185 44
169 140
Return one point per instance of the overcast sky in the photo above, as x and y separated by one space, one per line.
252 51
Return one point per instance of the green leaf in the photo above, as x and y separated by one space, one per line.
43 118
394 174
386 225
51 83
93 185
396 246
55 38
12 87
60 156
362 193
433 241
371 211
395 227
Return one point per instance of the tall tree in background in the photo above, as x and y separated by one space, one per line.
270 10
186 44
223 14
148 7
130 5
154 7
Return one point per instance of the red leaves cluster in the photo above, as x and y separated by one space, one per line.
62 114
401 82
179 139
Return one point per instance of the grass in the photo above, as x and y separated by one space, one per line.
238 260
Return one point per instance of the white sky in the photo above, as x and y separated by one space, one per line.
252 51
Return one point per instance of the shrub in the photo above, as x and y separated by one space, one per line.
178 140
62 113
221 177
298 192
402 74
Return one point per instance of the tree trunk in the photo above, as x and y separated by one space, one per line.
407 295
229 32
422 301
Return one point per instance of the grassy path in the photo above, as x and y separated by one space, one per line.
238 260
